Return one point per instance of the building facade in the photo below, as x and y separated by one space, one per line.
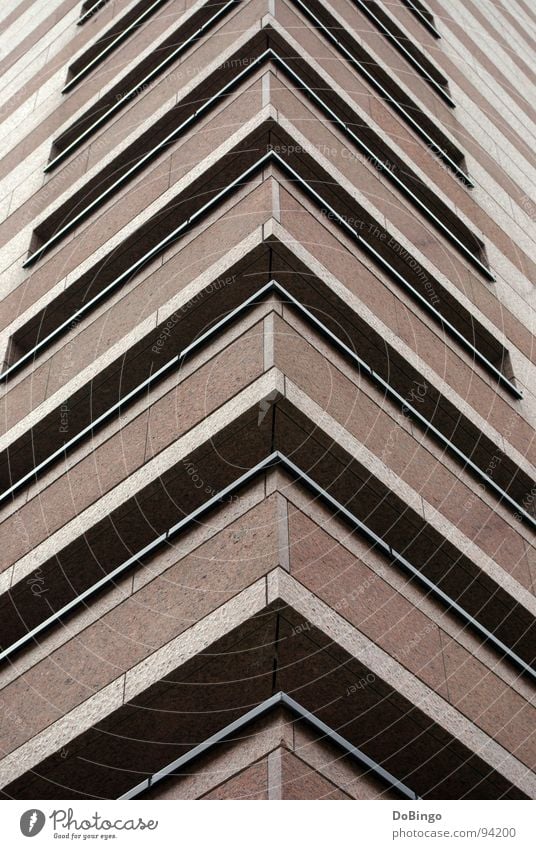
268 399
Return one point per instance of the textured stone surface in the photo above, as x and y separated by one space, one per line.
271 589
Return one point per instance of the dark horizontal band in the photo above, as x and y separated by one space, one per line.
146 80
408 55
278 700
88 13
424 18
268 55
111 46
387 96
276 458
438 149
176 361
270 156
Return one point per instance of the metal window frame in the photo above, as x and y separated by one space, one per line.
120 37
276 458
91 11
397 107
271 155
422 18
177 232
177 361
144 82
439 89
268 55
438 150
280 699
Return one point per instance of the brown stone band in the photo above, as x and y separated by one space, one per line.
276 701
274 459
176 362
